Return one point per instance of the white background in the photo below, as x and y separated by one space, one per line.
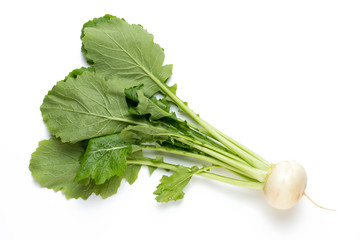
282 77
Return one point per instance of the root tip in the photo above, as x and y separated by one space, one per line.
329 209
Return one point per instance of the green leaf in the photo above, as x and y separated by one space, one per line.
92 23
143 105
158 159
171 187
54 165
156 108
104 158
145 134
77 72
131 173
132 170
85 107
131 93
173 89
106 189
126 52
151 169
138 155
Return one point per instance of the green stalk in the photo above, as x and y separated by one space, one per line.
199 157
245 149
249 171
236 182
201 172
205 139
237 163
219 153
194 127
194 143
213 131
186 140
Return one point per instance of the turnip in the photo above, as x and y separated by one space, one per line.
285 184
104 116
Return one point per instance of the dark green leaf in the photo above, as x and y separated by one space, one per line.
151 169
104 158
154 107
131 173
131 93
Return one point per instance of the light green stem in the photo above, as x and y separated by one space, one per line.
213 131
201 172
199 157
186 140
236 182
249 171
245 149
225 153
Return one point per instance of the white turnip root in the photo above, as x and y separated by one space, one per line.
285 184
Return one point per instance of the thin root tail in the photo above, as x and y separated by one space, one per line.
318 204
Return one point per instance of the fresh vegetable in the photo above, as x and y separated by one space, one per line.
102 117
285 184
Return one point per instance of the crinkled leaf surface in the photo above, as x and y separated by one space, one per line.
92 23
77 72
171 187
85 107
54 165
145 134
104 158
126 52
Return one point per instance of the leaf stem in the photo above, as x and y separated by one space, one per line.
245 149
205 158
172 167
192 142
249 171
210 129
236 182
204 143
